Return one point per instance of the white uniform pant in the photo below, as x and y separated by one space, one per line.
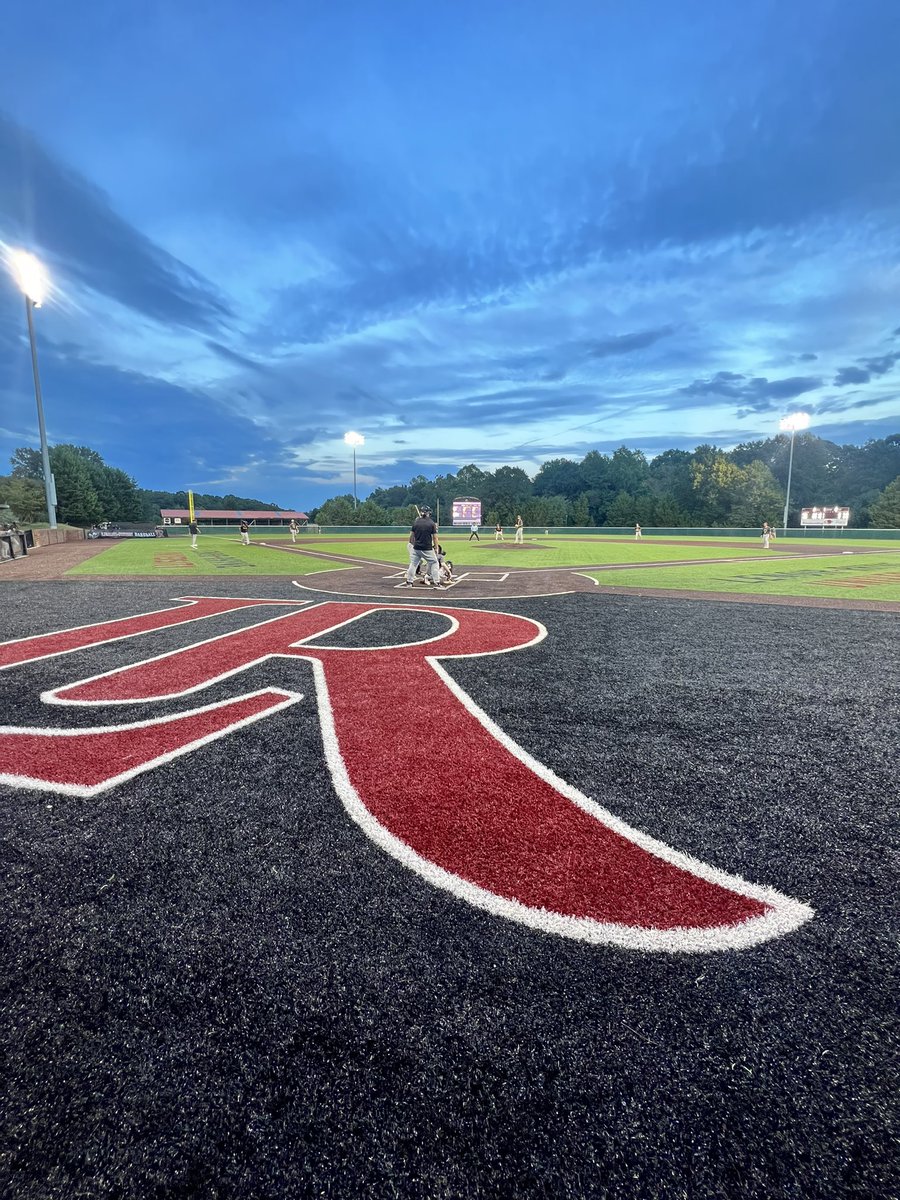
427 556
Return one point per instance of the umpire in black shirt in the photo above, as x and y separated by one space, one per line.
424 547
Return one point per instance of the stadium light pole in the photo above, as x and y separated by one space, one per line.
354 440
798 420
32 279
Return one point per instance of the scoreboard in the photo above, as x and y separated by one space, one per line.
825 516
466 511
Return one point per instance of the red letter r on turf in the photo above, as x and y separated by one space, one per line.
493 826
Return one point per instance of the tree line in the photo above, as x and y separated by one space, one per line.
89 491
703 487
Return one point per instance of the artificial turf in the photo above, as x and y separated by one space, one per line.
849 576
535 552
214 556
217 985
266 555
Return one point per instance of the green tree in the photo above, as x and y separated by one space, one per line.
25 498
578 511
867 470
545 510
508 489
420 491
370 513
446 489
645 509
622 510
27 463
820 473
100 481
338 511
402 515
714 477
559 477
670 477
76 499
389 497
667 514
231 501
598 488
884 511
152 501
126 496
755 496
471 480
628 471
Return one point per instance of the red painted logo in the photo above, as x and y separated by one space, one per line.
492 825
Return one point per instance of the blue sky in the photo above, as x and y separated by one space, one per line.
475 232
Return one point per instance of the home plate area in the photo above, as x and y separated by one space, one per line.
458 578
481 584
573 896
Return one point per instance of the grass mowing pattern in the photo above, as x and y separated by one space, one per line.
214 556
217 986
861 577
536 552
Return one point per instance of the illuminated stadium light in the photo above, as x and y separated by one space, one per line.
792 422
30 275
798 420
354 439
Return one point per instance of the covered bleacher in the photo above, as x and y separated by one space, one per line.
232 516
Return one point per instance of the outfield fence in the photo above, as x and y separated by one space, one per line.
487 531
536 531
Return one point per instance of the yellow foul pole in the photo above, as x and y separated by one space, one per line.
190 506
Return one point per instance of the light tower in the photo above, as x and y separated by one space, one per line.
31 277
798 420
354 440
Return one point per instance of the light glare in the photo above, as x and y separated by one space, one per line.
794 422
354 439
30 275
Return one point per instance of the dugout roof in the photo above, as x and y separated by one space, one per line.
232 514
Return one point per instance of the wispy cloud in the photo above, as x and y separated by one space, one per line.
47 204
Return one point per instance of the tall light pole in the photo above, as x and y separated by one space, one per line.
32 279
354 440
798 420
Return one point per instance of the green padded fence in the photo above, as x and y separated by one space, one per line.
258 533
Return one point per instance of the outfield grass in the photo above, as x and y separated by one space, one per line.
866 577
536 552
214 556
778 575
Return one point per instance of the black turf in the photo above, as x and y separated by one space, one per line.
217 986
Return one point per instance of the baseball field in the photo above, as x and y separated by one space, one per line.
576 880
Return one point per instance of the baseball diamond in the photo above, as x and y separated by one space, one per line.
574 894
